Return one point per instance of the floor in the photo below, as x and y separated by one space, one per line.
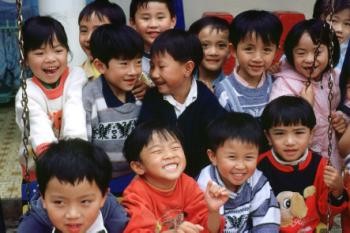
10 174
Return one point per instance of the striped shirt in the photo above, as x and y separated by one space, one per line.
253 208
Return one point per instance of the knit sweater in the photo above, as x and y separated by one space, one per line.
54 114
235 97
253 208
109 121
192 122
303 181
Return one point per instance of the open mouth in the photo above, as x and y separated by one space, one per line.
170 167
73 228
50 70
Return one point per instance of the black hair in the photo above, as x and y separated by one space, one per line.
181 45
322 8
103 8
142 135
136 4
344 79
72 161
288 111
214 22
111 41
262 23
233 126
40 30
319 32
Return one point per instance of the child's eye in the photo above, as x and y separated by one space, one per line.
300 132
86 202
205 45
222 45
58 203
145 18
161 17
248 49
267 50
347 24
123 63
156 152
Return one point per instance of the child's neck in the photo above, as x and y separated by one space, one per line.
252 81
119 94
51 85
181 94
208 76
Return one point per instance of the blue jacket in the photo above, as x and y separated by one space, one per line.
37 221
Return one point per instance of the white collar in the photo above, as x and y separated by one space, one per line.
292 163
191 97
96 227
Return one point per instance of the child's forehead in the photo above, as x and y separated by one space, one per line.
252 37
156 6
94 17
212 30
239 142
164 136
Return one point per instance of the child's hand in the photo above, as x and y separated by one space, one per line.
333 180
338 122
187 227
275 68
140 89
307 93
216 196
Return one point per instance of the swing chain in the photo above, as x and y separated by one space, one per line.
24 100
330 98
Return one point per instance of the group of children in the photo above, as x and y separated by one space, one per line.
181 143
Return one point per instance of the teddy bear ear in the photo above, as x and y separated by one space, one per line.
298 207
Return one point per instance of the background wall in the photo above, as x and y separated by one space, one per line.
193 9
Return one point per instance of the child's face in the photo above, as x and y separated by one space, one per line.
215 47
86 28
289 142
236 161
254 57
170 76
304 55
72 208
121 74
48 62
151 20
162 161
341 24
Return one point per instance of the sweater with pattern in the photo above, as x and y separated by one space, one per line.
109 121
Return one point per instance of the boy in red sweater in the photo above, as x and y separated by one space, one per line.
162 197
306 187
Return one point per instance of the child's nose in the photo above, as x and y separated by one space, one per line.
72 213
211 50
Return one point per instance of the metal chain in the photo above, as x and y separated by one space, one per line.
24 100
329 12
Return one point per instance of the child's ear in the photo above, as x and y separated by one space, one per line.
268 137
132 23
189 66
104 198
233 51
230 51
99 65
311 135
173 22
137 167
212 156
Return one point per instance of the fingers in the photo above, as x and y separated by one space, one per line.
140 89
333 179
215 190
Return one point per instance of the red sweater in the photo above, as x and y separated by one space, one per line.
146 205
303 176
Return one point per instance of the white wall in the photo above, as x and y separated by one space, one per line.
193 9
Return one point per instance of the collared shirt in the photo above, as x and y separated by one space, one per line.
191 97
220 77
96 227
245 83
111 100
